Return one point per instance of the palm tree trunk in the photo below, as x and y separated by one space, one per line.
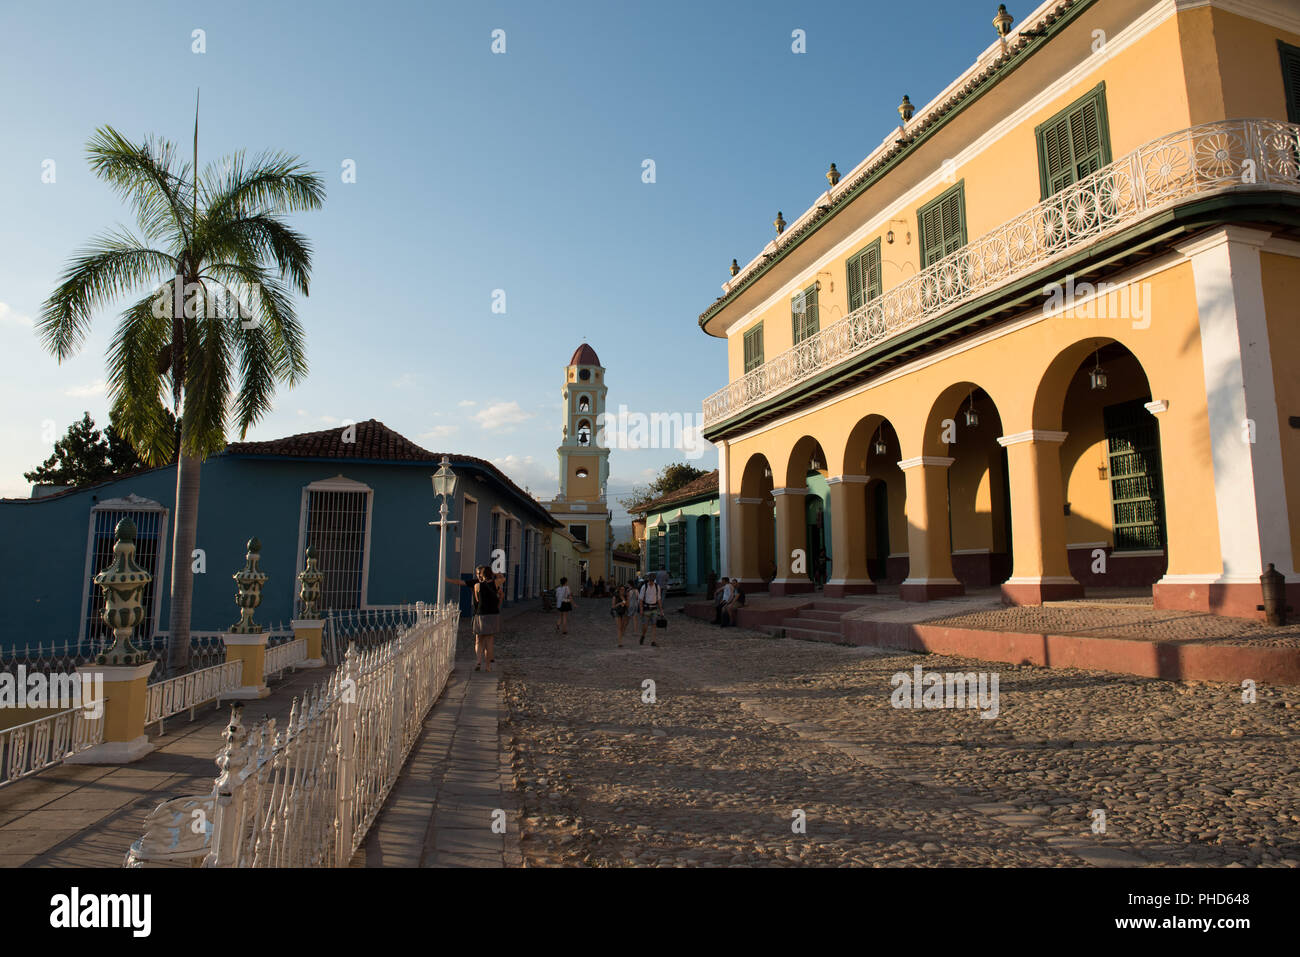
185 531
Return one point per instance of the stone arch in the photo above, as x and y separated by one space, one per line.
1111 462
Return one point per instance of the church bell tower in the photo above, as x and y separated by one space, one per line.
584 463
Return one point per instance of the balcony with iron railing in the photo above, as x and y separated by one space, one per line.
1212 158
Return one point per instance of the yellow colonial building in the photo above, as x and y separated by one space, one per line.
581 504
1044 336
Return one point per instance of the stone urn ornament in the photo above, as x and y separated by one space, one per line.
123 584
249 581
310 577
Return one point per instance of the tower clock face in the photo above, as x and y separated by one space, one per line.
584 374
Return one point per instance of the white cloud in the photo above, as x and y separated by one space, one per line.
440 431
407 380
500 416
92 390
10 315
467 403
527 472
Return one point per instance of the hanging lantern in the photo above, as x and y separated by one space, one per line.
972 417
879 446
1097 377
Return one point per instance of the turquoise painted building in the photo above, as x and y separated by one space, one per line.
361 495
682 533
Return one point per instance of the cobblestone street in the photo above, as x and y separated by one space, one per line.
748 736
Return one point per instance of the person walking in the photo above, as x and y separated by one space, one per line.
651 607
487 618
618 608
564 602
633 605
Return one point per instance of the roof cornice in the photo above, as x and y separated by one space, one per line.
916 132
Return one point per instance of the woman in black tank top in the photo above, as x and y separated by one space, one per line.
487 611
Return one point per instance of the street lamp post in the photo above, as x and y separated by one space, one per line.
444 485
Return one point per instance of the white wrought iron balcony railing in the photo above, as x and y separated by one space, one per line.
1220 157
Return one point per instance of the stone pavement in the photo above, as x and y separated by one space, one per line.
442 810
453 804
80 815
757 750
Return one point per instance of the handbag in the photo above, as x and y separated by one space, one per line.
661 621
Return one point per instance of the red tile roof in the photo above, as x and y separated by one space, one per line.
584 355
704 485
374 442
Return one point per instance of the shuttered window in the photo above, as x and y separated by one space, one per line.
754 348
677 551
863 271
941 224
1136 487
1074 143
803 313
1291 79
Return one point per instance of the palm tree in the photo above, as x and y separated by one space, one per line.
216 325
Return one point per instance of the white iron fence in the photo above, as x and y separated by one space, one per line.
189 691
36 745
1220 157
207 649
304 795
365 628
282 656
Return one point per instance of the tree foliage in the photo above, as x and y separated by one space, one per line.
85 455
671 478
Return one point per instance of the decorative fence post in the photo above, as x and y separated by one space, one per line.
246 641
120 675
347 771
227 794
310 626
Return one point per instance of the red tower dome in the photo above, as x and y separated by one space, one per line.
584 355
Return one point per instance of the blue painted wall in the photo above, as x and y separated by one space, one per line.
44 540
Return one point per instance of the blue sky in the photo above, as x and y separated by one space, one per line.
519 171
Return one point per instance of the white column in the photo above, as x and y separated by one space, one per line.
1250 495
724 509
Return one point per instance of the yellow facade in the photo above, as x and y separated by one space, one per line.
954 414
584 468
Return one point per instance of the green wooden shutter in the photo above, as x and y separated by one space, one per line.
754 348
803 314
853 268
1291 79
863 271
1136 487
941 224
1074 143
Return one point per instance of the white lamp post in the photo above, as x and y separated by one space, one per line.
444 484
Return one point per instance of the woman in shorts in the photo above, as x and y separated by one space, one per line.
487 617
618 608
563 602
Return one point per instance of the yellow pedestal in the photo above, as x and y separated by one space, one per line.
251 650
124 699
313 629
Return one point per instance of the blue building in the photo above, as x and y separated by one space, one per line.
361 495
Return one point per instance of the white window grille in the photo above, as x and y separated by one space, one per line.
150 520
336 522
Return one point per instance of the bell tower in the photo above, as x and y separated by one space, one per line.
584 464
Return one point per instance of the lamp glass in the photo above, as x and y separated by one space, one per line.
444 482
